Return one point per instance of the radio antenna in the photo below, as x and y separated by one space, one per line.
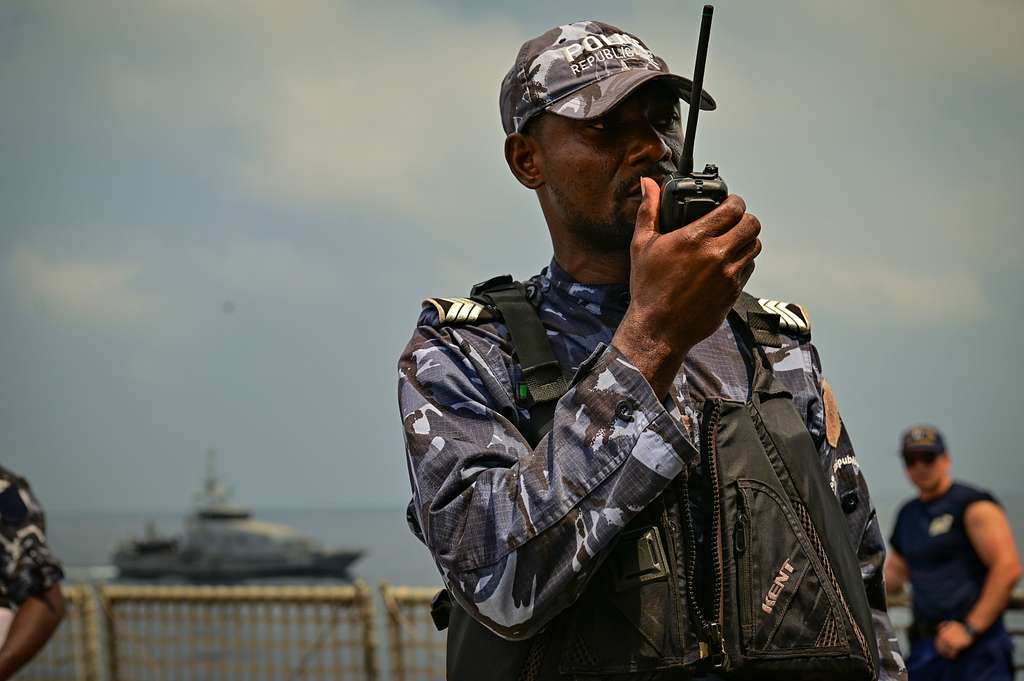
686 163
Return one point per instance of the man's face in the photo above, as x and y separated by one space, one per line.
592 168
926 470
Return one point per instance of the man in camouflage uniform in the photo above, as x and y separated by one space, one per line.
29 575
638 318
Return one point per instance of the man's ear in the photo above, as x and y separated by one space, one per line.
525 159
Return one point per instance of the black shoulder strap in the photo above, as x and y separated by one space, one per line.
544 382
763 325
759 329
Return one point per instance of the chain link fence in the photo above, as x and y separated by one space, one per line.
279 633
416 649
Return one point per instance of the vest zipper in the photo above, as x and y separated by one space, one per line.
711 643
719 659
691 564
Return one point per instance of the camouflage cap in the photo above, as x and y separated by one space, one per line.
581 71
923 438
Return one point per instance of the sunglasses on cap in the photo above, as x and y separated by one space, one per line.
910 458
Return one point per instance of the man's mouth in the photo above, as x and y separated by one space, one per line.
634 188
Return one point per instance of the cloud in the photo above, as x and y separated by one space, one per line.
944 31
81 292
157 290
369 123
308 103
872 292
269 268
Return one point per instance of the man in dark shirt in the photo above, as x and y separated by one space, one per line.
29 575
954 546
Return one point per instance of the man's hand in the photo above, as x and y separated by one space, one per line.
683 283
33 624
952 639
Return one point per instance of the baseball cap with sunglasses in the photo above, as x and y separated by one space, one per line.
922 443
911 458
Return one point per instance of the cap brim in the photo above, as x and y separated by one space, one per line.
914 449
598 98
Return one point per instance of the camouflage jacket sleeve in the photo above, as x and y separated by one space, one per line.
29 567
843 473
518 531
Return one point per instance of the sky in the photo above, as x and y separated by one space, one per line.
218 221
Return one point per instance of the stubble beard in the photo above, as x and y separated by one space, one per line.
600 235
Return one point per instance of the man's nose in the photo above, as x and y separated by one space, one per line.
648 146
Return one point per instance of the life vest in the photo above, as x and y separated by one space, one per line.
773 591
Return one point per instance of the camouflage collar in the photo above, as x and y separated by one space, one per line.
599 298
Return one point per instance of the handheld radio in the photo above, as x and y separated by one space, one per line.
686 195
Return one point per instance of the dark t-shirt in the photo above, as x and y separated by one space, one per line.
27 566
946 574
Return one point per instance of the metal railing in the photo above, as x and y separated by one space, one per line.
416 648
899 606
129 633
148 633
1015 607
205 632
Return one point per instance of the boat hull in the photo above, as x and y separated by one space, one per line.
222 569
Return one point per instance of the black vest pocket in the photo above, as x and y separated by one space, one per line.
786 604
628 620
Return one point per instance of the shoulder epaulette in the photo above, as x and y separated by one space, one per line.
793 318
461 310
768 320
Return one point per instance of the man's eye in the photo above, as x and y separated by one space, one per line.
668 120
598 124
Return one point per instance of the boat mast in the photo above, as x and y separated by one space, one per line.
213 492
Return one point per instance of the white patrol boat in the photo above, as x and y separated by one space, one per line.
222 542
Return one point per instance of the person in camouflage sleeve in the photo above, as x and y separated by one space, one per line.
517 532
30 575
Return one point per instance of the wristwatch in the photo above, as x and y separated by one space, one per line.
969 629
